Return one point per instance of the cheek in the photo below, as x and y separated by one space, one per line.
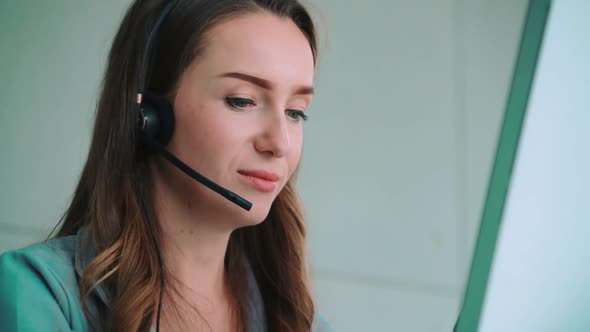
203 130
295 150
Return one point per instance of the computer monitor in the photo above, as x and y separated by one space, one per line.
531 265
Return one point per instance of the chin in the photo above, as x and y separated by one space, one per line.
232 213
255 216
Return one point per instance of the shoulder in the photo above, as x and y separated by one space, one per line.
39 281
45 261
321 325
57 251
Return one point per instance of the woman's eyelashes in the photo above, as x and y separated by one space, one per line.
297 115
240 104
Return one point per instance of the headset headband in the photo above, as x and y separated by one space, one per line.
145 62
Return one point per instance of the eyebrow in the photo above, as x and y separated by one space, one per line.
265 84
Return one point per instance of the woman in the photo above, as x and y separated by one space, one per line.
145 247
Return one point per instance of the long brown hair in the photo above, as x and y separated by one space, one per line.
116 175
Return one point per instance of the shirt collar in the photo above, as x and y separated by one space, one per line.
86 252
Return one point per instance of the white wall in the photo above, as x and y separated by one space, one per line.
51 60
397 149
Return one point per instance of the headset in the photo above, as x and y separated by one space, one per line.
156 121
156 125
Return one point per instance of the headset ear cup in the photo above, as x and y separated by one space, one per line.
149 123
156 118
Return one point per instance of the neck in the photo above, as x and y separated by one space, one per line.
193 242
195 256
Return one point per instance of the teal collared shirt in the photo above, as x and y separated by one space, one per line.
39 289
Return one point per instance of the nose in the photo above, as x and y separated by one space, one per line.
274 135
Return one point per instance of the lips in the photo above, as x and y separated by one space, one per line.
264 181
261 174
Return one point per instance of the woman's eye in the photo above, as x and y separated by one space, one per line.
297 115
239 103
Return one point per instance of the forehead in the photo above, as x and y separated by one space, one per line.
261 44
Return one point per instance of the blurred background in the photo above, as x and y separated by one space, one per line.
398 148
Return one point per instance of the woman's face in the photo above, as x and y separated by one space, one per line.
239 111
